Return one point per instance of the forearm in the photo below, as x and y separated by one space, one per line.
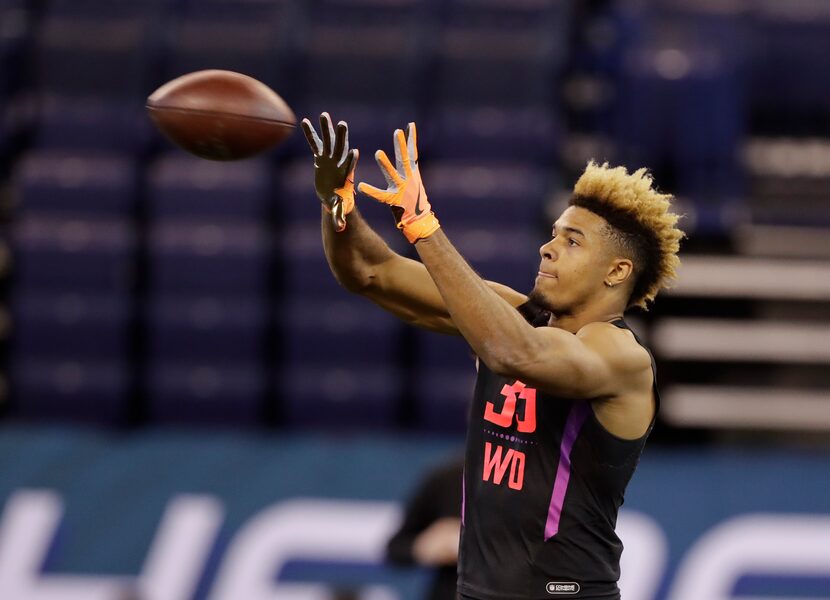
353 253
492 327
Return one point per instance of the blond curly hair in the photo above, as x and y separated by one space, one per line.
640 221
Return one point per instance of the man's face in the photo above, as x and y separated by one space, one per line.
574 262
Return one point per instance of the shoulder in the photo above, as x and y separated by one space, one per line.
626 407
617 346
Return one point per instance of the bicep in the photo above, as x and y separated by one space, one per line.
592 364
405 288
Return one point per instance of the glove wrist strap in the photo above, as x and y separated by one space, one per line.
346 194
420 228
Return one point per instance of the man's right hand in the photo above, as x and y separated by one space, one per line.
334 166
437 545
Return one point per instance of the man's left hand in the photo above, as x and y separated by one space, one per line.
405 189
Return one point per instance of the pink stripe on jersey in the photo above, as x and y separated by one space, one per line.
573 425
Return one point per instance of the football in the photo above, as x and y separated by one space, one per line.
221 115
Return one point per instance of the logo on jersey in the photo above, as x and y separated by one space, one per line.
512 393
562 588
498 460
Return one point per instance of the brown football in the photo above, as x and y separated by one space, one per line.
221 115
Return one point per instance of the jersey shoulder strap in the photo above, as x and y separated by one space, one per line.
623 325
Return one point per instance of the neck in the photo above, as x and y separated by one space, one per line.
575 321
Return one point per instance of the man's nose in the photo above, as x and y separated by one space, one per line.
546 250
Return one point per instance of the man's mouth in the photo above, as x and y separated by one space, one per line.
543 274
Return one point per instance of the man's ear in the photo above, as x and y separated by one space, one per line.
621 270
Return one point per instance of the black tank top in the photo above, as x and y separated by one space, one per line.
543 483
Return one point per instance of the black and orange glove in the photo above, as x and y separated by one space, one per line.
334 166
406 192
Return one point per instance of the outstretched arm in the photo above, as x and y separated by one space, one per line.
359 258
364 264
592 363
582 365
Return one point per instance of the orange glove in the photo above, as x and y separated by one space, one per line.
405 191
334 166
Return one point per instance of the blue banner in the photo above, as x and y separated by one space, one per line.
166 515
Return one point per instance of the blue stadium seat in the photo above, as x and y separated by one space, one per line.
206 257
206 328
105 57
435 351
789 77
506 255
483 194
531 135
17 24
74 255
6 134
91 124
244 41
181 186
109 8
76 390
443 398
343 330
446 379
220 394
73 184
303 269
264 10
338 399
377 66
297 199
673 103
53 325
679 109
501 53
409 13
365 52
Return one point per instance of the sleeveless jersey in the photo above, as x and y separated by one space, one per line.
543 483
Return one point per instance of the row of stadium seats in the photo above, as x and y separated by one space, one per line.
186 190
485 79
378 53
173 288
204 362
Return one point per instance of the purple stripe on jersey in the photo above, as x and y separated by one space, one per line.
573 425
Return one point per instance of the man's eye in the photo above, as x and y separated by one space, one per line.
572 242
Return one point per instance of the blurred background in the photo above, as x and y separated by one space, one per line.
193 409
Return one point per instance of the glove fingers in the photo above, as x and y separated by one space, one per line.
341 142
351 159
327 131
412 143
311 137
389 172
401 154
385 196
398 155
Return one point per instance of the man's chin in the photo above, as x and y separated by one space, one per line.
541 300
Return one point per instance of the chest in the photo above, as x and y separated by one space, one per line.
509 407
